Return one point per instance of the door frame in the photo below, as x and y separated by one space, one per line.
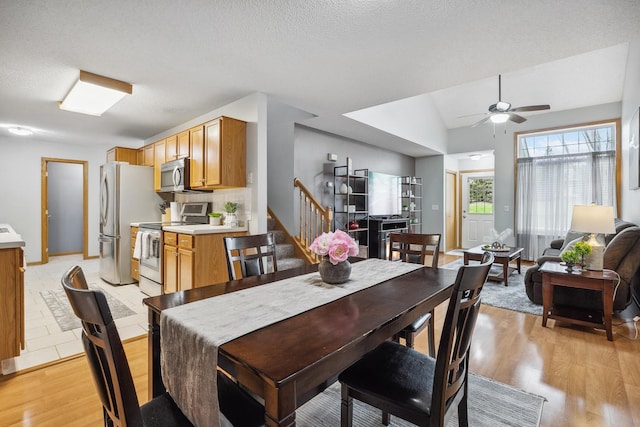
460 177
44 204
453 195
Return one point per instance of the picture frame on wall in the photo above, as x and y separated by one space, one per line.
634 155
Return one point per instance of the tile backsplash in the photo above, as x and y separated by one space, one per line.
218 198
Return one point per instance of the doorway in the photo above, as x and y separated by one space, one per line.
476 207
64 208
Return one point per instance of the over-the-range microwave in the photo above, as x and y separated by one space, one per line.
175 175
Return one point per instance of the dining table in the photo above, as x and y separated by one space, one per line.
289 362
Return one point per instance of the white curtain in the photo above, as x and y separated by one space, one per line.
549 187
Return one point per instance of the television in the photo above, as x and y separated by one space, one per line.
384 194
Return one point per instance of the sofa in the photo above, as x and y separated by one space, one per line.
621 254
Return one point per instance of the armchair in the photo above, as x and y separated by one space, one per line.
621 254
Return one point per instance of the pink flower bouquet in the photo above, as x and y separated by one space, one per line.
337 245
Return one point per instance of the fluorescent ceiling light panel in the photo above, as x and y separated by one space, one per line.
93 94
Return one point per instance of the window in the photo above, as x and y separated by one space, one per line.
556 170
480 196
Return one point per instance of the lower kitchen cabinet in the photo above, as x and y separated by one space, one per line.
11 302
192 261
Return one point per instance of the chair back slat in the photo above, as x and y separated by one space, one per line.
251 255
103 347
413 247
452 361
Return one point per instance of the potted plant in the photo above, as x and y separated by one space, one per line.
215 218
583 249
230 218
570 257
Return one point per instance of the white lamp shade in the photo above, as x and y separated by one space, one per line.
499 118
593 219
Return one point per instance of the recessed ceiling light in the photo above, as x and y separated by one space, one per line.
20 131
93 94
475 156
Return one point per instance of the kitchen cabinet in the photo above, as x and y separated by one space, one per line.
158 160
146 155
177 146
122 154
221 162
11 302
192 261
135 263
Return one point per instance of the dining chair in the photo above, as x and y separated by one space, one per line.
254 255
412 385
416 248
112 375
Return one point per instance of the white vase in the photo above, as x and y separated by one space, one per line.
344 188
215 220
230 220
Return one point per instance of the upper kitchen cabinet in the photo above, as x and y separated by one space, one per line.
146 155
158 160
222 161
177 146
122 154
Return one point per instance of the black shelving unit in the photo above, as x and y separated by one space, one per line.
411 202
351 204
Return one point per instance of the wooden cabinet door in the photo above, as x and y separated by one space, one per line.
171 148
11 302
182 145
148 155
186 269
158 160
170 269
196 137
212 153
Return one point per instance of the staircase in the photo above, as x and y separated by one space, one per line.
285 252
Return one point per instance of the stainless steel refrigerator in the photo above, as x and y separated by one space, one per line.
126 196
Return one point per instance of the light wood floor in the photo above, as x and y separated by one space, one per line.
587 380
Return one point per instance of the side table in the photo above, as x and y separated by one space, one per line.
554 274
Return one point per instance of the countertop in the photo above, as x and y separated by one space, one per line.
203 229
9 238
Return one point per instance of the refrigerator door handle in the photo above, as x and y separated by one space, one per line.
104 200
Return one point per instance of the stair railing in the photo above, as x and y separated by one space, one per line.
314 220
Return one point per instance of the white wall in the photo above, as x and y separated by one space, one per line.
630 105
20 192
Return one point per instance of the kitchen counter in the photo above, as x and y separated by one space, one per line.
9 238
203 229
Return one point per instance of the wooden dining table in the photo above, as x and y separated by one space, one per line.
291 361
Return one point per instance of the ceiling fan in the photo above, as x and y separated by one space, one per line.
501 111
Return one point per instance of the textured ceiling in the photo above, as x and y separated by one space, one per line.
326 57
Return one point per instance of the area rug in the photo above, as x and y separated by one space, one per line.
512 297
60 307
491 404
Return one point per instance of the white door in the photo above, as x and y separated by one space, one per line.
477 208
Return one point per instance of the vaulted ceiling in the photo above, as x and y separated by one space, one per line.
326 57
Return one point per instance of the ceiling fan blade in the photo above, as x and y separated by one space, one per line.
470 115
531 108
516 118
480 122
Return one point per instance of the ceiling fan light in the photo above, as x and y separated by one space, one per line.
502 106
499 118
93 94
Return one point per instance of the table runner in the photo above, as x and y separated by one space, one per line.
190 334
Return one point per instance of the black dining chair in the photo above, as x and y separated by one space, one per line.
251 255
416 248
112 375
414 386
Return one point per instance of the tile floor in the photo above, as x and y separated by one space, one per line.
45 341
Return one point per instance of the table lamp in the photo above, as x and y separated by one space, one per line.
596 220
